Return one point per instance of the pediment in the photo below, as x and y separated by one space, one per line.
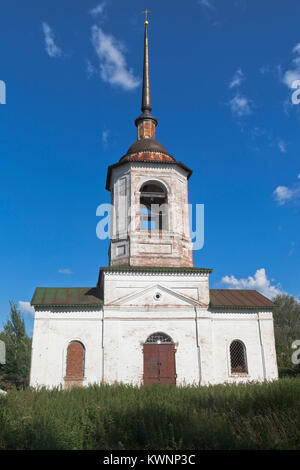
156 295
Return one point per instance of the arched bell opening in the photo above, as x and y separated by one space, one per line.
153 206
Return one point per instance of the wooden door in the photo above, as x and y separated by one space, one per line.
159 364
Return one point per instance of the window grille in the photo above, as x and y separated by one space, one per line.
238 358
159 338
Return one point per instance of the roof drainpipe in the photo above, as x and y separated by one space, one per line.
198 348
262 349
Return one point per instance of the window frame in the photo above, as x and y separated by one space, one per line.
245 372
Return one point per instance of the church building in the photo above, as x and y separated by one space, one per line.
151 317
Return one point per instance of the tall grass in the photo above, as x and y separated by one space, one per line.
253 416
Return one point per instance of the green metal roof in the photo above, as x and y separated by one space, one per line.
239 298
90 297
67 296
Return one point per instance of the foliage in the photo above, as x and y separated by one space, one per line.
18 350
287 330
245 416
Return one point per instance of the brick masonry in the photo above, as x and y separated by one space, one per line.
75 361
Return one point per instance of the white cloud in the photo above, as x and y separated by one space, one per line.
292 249
283 194
259 282
264 69
98 10
113 66
240 105
258 132
282 146
65 271
293 73
290 77
296 49
52 49
207 4
237 79
25 307
105 135
90 69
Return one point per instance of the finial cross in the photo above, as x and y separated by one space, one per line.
146 14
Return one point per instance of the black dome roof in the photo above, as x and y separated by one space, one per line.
147 145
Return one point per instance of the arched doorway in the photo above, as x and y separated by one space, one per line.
159 359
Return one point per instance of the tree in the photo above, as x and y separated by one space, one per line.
287 330
18 348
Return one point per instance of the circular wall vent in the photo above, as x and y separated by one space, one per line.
157 296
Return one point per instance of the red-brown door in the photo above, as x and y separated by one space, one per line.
159 364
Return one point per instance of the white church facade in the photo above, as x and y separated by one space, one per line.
151 318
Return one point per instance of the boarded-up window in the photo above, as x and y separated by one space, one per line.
238 359
75 359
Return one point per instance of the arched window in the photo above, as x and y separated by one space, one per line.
75 360
153 207
159 338
238 359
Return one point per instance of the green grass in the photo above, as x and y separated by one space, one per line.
253 416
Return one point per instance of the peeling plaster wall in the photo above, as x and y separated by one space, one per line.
131 314
53 331
118 286
123 348
135 247
244 326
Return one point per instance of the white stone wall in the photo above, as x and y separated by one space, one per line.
128 243
53 331
210 364
123 348
260 348
119 286
131 313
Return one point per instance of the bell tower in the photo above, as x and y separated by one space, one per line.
149 196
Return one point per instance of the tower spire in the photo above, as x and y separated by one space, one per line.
146 97
146 122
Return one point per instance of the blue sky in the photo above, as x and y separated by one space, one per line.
221 77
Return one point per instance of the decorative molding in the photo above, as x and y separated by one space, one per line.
157 287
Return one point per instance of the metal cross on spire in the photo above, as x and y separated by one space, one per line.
146 15
146 99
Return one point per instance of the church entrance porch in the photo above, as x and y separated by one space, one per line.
159 360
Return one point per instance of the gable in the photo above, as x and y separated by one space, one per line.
157 296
